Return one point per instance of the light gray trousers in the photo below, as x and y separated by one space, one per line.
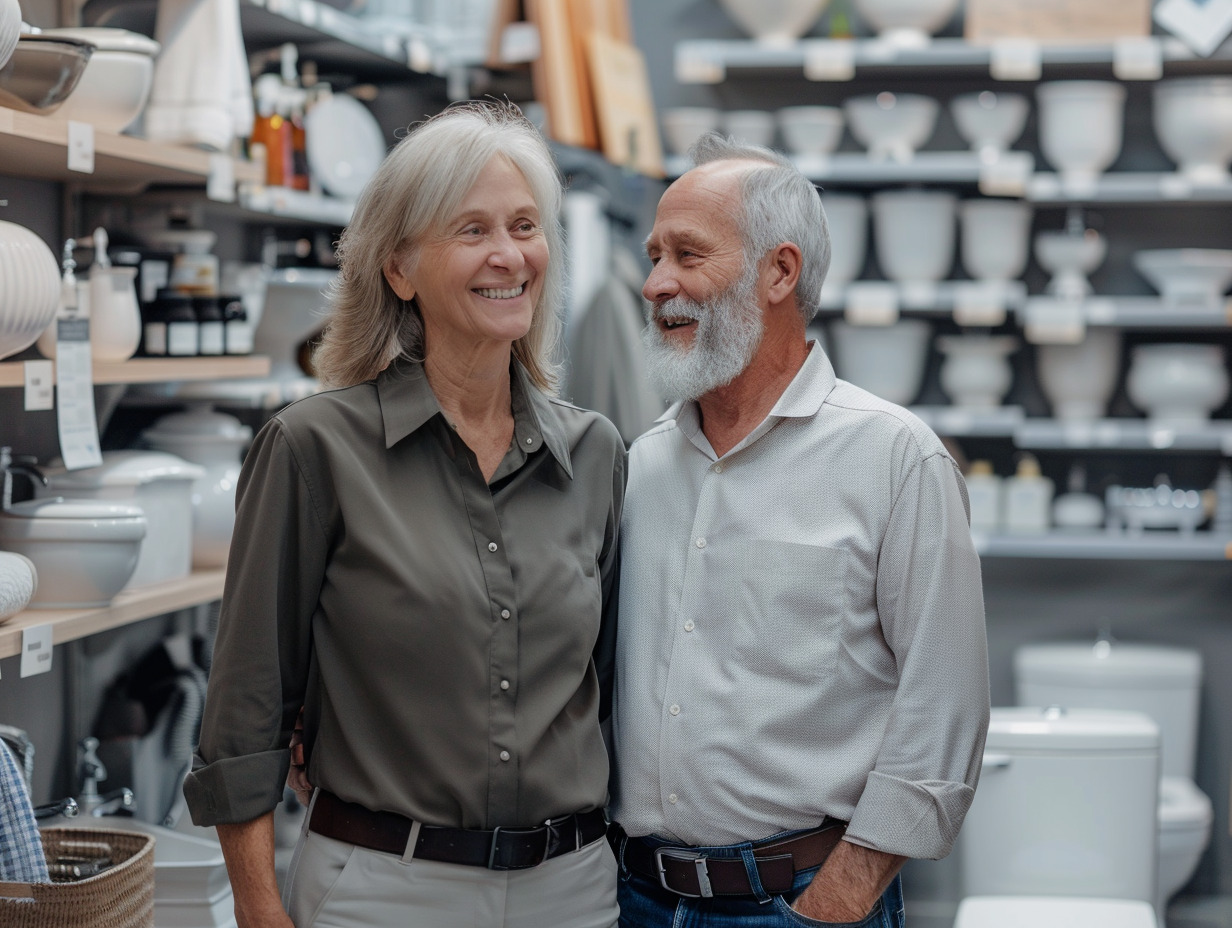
332 884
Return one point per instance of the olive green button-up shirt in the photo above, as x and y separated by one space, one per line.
449 638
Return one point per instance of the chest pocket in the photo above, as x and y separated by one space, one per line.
783 604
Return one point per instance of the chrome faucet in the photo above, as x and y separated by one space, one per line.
92 771
19 464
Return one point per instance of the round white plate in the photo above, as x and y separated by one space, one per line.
345 145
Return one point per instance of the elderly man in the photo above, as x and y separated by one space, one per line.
802 680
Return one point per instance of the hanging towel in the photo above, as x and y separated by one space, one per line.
21 850
202 93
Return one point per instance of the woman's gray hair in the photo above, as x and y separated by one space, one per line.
419 185
779 204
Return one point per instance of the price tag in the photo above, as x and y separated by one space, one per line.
1006 175
418 55
81 147
79 446
36 646
1015 60
694 68
40 379
1138 58
220 185
1175 187
871 303
830 60
979 303
1052 321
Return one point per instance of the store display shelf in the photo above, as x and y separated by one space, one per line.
956 422
128 607
707 61
1152 312
1123 435
157 370
1128 188
944 297
295 205
38 147
1111 545
1006 176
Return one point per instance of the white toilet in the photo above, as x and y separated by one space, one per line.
1062 830
1164 683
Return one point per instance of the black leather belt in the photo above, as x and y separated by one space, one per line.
687 872
498 849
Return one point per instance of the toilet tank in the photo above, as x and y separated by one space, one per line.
1066 806
1161 681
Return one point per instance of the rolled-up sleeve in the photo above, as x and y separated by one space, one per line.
930 601
261 659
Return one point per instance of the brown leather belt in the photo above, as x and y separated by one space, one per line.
498 849
687 872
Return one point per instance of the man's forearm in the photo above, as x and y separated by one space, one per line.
848 884
249 851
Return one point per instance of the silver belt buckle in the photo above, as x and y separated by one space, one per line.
699 864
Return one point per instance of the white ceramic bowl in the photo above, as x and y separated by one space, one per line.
29 288
990 122
116 85
847 219
1193 122
996 238
10 28
1070 258
684 125
891 125
886 360
1187 274
906 22
1178 385
1080 126
976 372
774 22
749 127
811 130
85 551
18 583
913 234
1078 380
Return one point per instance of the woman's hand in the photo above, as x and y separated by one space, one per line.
297 776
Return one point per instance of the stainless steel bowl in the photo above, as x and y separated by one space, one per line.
42 73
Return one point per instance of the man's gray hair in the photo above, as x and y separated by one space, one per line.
778 204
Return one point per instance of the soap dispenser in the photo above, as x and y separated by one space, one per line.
1076 509
1028 499
985 491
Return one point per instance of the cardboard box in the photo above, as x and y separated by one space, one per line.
1057 21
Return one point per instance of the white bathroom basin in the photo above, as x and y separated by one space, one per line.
1187 274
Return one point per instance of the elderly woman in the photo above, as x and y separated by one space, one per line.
424 559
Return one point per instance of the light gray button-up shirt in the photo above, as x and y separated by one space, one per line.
801 628
446 636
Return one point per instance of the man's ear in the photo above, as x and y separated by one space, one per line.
397 280
782 271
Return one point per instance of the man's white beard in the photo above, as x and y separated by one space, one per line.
729 331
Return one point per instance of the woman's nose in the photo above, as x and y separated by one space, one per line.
506 252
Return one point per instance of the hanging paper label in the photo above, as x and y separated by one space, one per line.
1054 321
36 648
220 185
1138 58
81 147
79 446
40 378
1015 60
698 68
871 303
1007 175
980 303
830 60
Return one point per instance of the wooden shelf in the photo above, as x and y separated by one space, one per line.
128 607
37 146
159 370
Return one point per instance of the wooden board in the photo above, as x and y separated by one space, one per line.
1057 21
504 12
560 76
623 105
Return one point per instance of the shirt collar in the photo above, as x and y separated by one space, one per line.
408 403
802 398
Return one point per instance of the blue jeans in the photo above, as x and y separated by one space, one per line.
646 904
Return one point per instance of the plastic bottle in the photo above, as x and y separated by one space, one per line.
271 132
236 327
985 490
210 330
183 334
1028 499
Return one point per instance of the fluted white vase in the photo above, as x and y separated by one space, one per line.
775 22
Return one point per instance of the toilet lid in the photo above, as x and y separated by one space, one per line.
1053 912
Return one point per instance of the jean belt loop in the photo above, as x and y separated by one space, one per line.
750 866
412 841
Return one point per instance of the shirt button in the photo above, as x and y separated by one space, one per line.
718 468
671 797
492 546
504 613
530 441
688 626
674 710
701 542
504 755
504 684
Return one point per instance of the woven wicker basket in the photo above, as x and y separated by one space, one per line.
120 897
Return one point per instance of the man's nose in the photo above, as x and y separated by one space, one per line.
661 284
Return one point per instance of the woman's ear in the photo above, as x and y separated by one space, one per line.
397 279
